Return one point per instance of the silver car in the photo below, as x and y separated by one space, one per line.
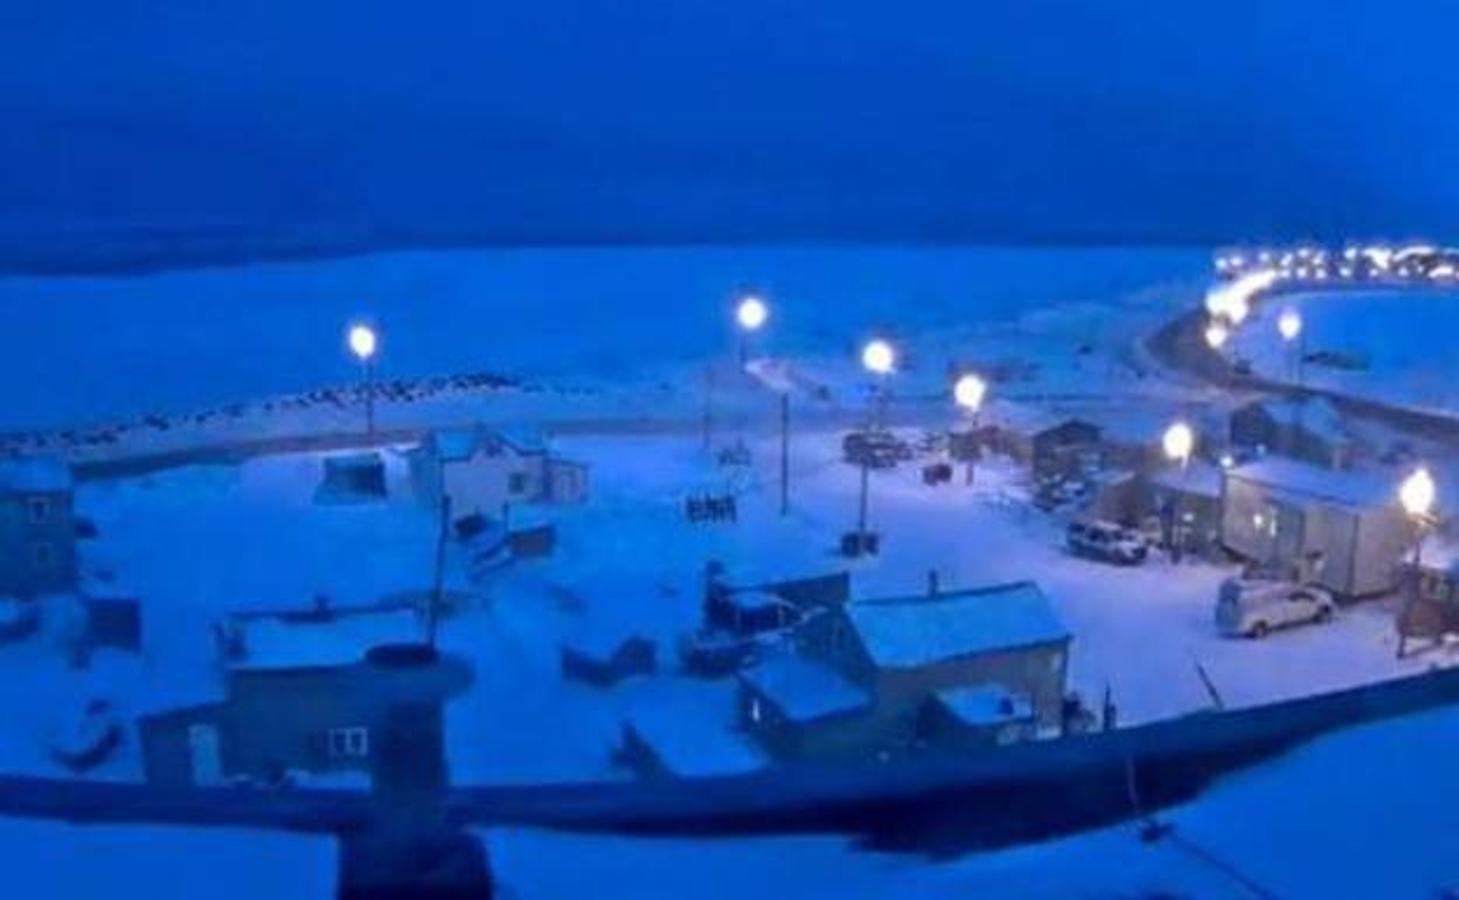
1252 607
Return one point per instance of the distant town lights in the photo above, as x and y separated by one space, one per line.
1417 493
752 313
363 342
1289 324
879 357
968 392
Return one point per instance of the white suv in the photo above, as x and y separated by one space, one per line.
1106 541
1249 607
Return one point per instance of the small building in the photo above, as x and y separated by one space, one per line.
981 716
867 670
1048 442
1184 507
769 605
1134 441
685 737
483 471
1310 430
604 660
37 527
1342 530
353 478
297 697
799 708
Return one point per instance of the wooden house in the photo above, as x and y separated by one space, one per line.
1048 442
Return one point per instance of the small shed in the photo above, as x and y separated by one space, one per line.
801 708
1343 530
605 660
353 478
1309 430
1049 442
982 716
1185 506
37 527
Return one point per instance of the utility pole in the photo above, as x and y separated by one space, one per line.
433 612
785 453
708 392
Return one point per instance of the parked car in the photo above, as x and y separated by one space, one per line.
1252 607
1107 542
875 449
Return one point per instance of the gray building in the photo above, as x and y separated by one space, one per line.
1344 531
298 695
867 671
37 527
1309 430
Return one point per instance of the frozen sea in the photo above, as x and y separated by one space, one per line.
88 348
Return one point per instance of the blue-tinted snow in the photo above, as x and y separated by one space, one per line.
916 630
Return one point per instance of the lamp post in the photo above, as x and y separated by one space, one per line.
750 315
1178 442
879 358
364 343
968 392
1289 326
1416 494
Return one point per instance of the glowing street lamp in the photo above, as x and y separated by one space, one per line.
750 315
968 392
364 342
1217 334
1416 495
879 358
1178 443
1289 326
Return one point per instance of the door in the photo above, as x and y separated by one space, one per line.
207 766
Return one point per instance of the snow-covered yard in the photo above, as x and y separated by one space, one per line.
200 541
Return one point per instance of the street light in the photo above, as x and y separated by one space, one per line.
879 358
1217 334
1289 326
364 342
751 315
968 392
1416 494
1178 442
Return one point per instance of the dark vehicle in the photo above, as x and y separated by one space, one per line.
875 449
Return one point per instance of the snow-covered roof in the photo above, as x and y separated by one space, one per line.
804 690
1134 427
1304 482
461 444
916 631
691 740
1023 418
277 642
34 474
985 704
1316 415
365 460
753 600
1198 478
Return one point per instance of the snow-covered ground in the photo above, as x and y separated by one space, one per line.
1358 814
116 347
200 541
1402 336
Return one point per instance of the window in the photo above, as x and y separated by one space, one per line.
349 743
517 483
38 509
42 555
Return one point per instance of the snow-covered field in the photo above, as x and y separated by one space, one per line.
106 348
197 542
1402 336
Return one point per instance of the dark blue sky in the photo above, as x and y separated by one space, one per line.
563 120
